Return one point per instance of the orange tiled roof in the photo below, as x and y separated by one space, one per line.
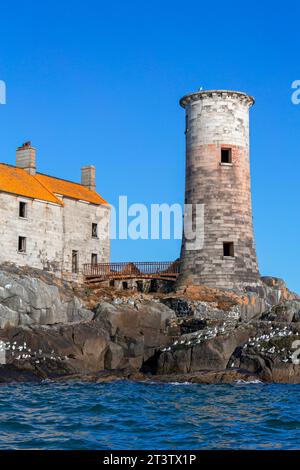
17 181
70 189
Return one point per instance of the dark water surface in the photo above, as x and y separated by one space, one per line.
128 415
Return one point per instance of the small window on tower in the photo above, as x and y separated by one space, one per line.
228 249
23 210
226 156
186 123
95 230
22 245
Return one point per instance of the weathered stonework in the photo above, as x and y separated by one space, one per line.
59 220
215 120
77 233
52 232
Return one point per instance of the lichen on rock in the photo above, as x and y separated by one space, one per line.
52 329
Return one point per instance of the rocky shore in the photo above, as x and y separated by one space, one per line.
51 329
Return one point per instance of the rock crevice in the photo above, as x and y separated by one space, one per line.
52 329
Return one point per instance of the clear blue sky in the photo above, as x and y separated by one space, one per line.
99 82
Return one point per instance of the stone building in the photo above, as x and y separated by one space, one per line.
218 177
50 223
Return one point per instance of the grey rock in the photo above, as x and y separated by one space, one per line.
139 332
114 357
287 311
8 317
253 308
213 354
27 300
57 350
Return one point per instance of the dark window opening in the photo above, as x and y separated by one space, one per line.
23 210
22 245
186 123
94 259
226 156
194 221
140 286
228 249
125 285
95 230
153 285
112 283
75 261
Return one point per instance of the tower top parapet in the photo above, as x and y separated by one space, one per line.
199 95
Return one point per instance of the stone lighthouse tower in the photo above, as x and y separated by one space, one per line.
218 187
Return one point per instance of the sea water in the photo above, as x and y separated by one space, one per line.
131 415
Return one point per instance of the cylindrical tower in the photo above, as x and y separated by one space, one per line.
218 182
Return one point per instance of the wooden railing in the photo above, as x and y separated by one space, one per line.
140 270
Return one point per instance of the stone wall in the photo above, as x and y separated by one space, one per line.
78 220
43 228
217 120
52 232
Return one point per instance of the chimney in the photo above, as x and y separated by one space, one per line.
26 158
88 177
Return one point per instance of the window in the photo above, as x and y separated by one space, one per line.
75 261
186 123
226 156
22 245
153 285
22 210
228 249
94 230
94 259
140 286
125 285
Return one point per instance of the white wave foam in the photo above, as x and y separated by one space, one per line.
180 383
242 382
